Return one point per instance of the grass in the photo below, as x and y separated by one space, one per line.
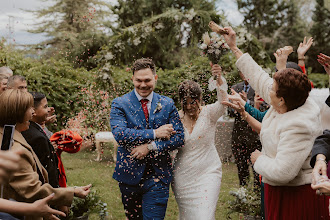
82 169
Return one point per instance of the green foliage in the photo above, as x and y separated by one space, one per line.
245 200
75 33
263 18
320 80
57 79
159 38
291 32
321 34
91 204
129 15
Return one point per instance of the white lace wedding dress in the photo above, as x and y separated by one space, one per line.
197 167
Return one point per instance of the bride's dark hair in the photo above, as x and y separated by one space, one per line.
190 89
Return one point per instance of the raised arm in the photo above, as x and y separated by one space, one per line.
217 109
281 56
302 50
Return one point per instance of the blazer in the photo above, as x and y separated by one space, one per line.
321 146
45 151
130 129
24 185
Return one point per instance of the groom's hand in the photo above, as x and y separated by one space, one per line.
165 131
140 152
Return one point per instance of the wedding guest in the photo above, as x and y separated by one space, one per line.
30 182
3 82
287 135
6 70
245 140
9 163
17 82
321 148
147 127
197 168
38 140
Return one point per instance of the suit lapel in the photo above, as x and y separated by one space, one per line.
137 107
155 100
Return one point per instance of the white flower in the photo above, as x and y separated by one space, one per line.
136 41
206 38
203 46
131 29
147 29
158 107
217 52
118 44
176 17
159 26
214 35
105 76
109 56
191 14
216 45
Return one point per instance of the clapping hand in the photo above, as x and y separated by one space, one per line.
304 47
324 60
236 103
82 191
281 56
51 116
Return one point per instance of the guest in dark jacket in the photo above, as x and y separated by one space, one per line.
244 139
38 140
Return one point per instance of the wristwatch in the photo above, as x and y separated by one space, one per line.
150 147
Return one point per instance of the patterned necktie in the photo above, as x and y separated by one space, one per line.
145 108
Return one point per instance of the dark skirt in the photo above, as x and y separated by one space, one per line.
295 203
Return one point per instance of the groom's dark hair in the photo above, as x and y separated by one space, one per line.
144 63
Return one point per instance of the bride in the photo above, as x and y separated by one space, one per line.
197 167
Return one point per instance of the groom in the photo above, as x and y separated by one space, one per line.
147 127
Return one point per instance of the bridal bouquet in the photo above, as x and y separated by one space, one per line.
214 47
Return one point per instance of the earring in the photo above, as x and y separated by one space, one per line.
279 104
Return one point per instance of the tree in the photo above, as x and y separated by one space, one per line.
263 17
128 14
73 28
321 34
291 33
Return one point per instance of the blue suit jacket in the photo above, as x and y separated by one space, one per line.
130 129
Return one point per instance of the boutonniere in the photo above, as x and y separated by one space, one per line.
158 107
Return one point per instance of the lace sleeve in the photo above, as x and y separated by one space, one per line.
216 110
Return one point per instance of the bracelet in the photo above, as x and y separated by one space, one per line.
236 50
321 159
301 58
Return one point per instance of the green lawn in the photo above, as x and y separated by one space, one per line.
81 169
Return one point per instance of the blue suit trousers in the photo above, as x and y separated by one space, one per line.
147 200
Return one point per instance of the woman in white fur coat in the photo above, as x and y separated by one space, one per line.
287 135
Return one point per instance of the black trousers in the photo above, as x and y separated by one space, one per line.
242 149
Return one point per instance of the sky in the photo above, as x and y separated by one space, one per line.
14 21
